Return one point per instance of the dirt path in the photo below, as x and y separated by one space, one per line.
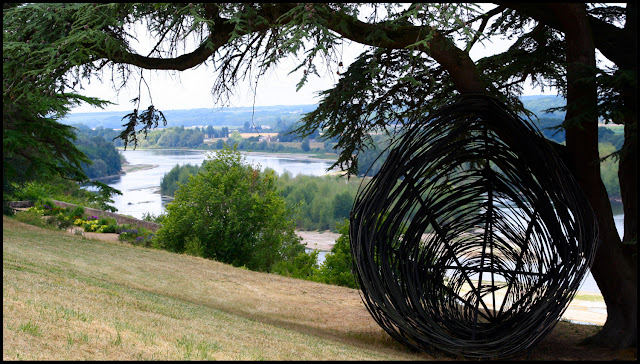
98 236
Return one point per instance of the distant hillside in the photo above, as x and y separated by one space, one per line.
237 116
538 103
263 115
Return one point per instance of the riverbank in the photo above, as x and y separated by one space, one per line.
127 168
299 156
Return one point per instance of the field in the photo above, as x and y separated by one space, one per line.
70 298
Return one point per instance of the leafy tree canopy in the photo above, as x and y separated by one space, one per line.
230 212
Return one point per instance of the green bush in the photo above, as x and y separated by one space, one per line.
147 216
77 212
90 227
193 246
47 205
30 191
110 229
64 221
303 266
31 218
236 214
107 221
338 266
136 236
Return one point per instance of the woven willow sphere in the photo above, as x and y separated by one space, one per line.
473 238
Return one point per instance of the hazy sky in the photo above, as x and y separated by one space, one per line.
192 88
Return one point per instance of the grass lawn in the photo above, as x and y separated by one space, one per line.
70 298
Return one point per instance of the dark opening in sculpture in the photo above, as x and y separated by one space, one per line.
473 238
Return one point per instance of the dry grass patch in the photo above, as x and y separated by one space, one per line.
69 298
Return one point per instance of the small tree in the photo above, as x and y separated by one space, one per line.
306 146
235 136
232 213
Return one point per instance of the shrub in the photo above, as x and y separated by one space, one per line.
123 227
91 226
236 214
137 236
193 246
107 221
337 266
47 206
128 234
64 221
147 216
77 212
31 191
303 266
110 229
31 217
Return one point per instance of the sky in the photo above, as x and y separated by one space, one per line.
192 88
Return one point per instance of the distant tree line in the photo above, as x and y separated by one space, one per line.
287 134
211 132
174 137
323 202
255 145
550 129
106 159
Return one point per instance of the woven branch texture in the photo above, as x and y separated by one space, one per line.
473 238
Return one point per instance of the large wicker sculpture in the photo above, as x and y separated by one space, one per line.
473 238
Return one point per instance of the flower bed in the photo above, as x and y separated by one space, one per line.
136 236
64 218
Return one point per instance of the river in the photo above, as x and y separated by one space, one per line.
141 188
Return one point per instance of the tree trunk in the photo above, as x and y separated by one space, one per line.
612 270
